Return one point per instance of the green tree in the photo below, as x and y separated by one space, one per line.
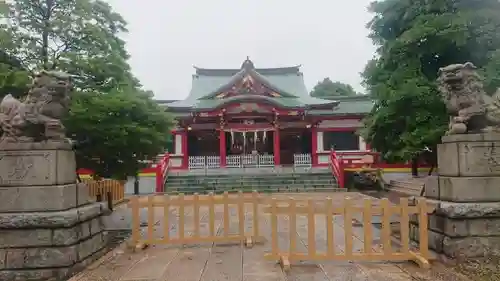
13 78
121 128
415 39
114 123
327 88
76 36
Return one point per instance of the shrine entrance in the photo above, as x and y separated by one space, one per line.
296 146
239 148
250 148
249 142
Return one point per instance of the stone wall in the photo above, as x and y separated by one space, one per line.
49 228
466 222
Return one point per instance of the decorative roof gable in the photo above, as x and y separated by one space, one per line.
282 87
247 81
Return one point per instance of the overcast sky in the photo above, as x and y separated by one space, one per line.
167 38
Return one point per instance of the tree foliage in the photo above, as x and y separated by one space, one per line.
114 123
76 36
414 39
13 78
327 88
131 127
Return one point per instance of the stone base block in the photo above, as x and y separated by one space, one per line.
463 189
50 245
38 198
458 247
82 194
462 229
469 155
37 164
50 274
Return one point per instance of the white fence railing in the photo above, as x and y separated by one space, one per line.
302 160
248 160
213 162
197 162
233 161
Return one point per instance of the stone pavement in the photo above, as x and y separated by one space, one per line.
237 263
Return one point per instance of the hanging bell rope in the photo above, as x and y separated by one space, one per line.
244 139
255 140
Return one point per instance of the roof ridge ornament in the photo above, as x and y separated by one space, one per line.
247 64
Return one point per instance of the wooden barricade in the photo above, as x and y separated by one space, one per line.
311 208
102 187
181 202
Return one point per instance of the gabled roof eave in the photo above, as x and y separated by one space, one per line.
255 75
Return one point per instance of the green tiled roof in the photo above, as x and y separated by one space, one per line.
288 81
348 105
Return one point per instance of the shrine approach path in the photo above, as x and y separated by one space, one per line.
217 262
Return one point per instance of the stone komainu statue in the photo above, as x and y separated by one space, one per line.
471 109
38 117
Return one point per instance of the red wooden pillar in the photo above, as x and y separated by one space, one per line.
276 147
222 148
368 146
314 146
184 149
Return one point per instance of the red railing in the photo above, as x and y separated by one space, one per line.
336 166
162 172
339 162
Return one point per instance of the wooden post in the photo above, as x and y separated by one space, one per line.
311 229
196 216
211 214
348 228
423 228
255 205
109 196
136 223
404 226
386 226
274 227
136 184
182 217
226 213
166 223
330 245
241 215
293 225
151 219
367 226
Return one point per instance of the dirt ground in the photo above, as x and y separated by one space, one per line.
216 262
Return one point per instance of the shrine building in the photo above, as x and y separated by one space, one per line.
261 117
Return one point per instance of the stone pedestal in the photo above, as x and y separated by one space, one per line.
467 194
48 226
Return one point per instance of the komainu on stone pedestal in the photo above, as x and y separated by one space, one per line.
38 117
472 110
466 222
50 228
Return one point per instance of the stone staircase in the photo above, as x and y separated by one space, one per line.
249 180
407 187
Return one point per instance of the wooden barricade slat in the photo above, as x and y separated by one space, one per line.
290 207
195 202
103 187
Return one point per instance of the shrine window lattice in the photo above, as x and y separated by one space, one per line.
348 140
